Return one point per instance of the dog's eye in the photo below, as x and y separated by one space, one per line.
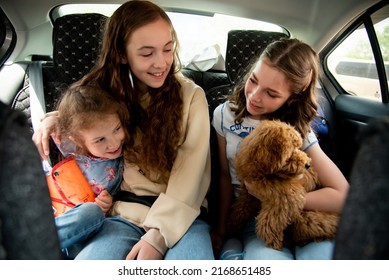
307 165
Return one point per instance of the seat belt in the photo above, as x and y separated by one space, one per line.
37 98
37 101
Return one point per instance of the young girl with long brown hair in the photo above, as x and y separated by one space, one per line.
167 173
279 85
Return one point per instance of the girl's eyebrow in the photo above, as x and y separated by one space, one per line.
151 47
271 89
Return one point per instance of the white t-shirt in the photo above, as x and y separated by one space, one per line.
224 124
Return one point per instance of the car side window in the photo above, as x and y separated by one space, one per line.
7 38
353 63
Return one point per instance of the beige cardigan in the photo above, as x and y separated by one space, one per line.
178 203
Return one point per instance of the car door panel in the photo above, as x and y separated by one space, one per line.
352 113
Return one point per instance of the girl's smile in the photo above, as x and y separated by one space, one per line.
149 52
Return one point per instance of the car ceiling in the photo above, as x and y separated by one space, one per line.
314 21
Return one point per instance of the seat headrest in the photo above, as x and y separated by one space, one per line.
243 46
76 44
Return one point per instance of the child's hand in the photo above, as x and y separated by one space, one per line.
104 200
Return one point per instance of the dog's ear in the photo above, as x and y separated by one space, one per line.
267 149
295 165
275 148
279 142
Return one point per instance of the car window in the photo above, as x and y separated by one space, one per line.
7 38
199 26
352 63
196 31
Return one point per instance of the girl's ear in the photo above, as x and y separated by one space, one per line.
123 58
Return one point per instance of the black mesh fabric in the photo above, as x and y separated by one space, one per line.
243 46
207 79
76 44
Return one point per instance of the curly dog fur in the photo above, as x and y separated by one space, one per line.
270 159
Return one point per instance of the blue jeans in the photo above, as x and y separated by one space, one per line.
255 249
77 225
111 238
194 245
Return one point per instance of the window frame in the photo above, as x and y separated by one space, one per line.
8 38
366 21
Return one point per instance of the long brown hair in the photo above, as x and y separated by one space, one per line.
299 63
160 123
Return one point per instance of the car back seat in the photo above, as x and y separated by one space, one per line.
207 79
242 47
76 44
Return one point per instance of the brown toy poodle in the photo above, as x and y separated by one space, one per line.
271 160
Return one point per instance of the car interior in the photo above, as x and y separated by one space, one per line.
71 61
33 76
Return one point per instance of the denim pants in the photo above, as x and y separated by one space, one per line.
255 249
77 225
111 238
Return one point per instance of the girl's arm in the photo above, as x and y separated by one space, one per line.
225 195
331 197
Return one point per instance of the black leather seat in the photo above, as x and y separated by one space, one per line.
76 45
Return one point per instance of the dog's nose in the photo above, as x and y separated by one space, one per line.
307 165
